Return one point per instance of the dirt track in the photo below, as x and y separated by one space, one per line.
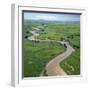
53 68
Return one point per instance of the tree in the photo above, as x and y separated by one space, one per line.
61 39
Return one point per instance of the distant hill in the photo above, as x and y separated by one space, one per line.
52 21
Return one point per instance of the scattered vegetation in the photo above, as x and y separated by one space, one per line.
38 54
73 61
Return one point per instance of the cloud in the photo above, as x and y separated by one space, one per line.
46 17
51 17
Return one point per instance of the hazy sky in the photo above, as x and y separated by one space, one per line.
51 16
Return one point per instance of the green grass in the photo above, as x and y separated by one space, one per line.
71 65
36 55
57 31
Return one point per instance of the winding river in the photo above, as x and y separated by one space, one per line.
53 66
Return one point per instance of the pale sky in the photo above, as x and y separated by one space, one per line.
51 16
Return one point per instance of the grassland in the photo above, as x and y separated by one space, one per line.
57 31
71 65
38 54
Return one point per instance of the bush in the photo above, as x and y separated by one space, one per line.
61 39
27 31
26 37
